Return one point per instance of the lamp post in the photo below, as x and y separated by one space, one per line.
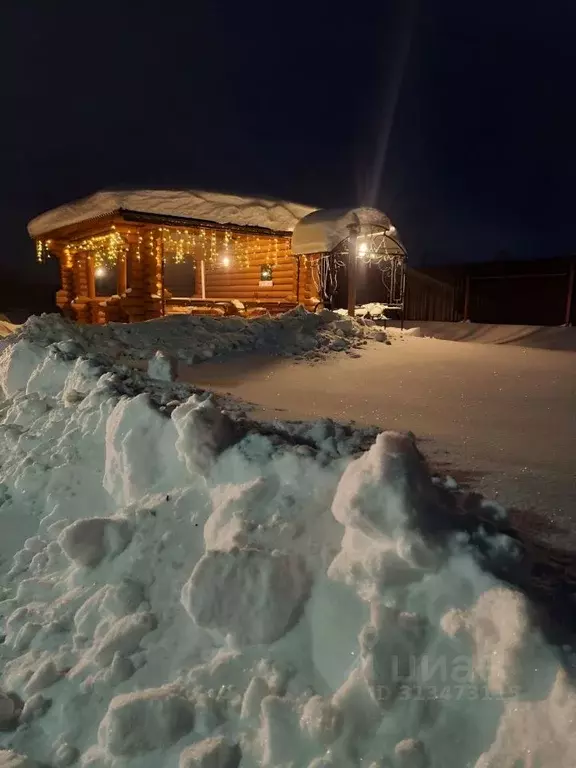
354 230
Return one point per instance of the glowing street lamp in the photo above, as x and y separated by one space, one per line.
100 272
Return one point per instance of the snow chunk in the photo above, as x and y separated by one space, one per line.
65 755
250 594
503 641
17 364
211 753
494 509
388 646
124 637
88 541
43 677
280 732
83 377
10 759
144 720
34 707
257 690
378 491
203 433
123 598
49 377
410 753
321 720
162 367
140 453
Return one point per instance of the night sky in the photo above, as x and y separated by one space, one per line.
470 105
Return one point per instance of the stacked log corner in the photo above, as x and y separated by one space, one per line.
80 303
65 295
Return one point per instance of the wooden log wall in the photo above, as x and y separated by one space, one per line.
242 282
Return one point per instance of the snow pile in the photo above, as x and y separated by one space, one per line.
374 309
182 587
194 339
277 215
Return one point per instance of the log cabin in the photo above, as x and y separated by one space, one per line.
133 255
141 254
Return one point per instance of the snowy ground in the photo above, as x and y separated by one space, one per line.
530 336
185 587
501 418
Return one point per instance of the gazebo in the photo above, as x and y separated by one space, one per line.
357 254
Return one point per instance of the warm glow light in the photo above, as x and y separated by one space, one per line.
225 261
100 272
104 249
362 249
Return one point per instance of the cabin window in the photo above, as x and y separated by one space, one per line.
180 278
266 275
106 279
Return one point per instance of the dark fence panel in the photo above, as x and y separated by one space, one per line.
432 298
520 299
508 292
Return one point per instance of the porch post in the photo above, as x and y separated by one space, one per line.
152 287
132 302
122 282
202 279
90 276
354 230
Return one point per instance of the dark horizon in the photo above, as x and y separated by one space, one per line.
477 102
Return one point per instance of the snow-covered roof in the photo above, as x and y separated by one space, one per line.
322 231
277 215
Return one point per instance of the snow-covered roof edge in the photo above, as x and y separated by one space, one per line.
321 231
276 215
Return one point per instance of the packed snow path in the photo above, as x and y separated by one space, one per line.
502 418
183 587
